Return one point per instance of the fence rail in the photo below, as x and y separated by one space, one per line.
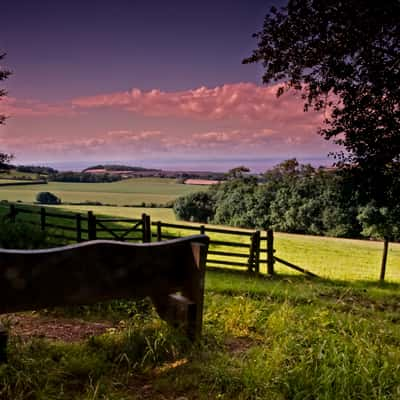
236 248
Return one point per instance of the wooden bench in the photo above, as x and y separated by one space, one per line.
171 273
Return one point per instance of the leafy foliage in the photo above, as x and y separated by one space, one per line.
47 198
343 57
4 74
292 198
196 207
21 235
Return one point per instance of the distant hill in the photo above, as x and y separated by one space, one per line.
116 168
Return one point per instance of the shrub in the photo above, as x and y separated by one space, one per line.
47 198
20 235
195 207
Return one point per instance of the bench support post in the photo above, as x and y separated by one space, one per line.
3 344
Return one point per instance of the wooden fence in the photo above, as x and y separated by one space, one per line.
252 250
229 247
82 227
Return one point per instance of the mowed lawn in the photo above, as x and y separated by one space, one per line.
126 192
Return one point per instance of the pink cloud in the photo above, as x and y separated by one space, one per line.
10 106
240 101
231 119
130 143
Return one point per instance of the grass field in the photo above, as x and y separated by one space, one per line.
157 214
125 192
344 259
282 337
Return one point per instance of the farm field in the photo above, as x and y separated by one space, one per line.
5 180
126 192
156 213
333 258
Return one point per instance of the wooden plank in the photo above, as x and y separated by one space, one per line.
296 267
188 227
225 253
57 215
231 244
228 231
223 262
65 228
128 220
207 229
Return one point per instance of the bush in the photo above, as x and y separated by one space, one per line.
20 235
195 207
47 198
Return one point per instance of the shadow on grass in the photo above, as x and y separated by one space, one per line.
298 279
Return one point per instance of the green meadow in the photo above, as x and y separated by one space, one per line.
126 192
332 258
281 337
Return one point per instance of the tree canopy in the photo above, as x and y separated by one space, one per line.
343 56
4 74
344 59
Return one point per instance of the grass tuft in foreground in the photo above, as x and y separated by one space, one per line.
282 338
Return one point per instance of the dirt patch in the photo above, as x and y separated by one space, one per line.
29 326
239 345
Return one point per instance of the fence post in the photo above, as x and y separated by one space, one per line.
384 258
91 226
159 233
78 228
146 228
250 263
42 218
257 252
270 252
202 229
13 212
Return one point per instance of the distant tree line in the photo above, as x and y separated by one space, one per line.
35 169
292 198
70 176
118 167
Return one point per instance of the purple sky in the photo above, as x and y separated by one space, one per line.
130 80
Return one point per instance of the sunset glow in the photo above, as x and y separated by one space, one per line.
86 90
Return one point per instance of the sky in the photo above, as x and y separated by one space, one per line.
144 81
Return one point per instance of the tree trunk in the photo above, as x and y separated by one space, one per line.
384 257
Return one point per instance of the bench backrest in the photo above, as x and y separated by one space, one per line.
102 270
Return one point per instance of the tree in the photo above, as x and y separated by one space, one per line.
195 207
343 57
47 198
4 74
237 172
